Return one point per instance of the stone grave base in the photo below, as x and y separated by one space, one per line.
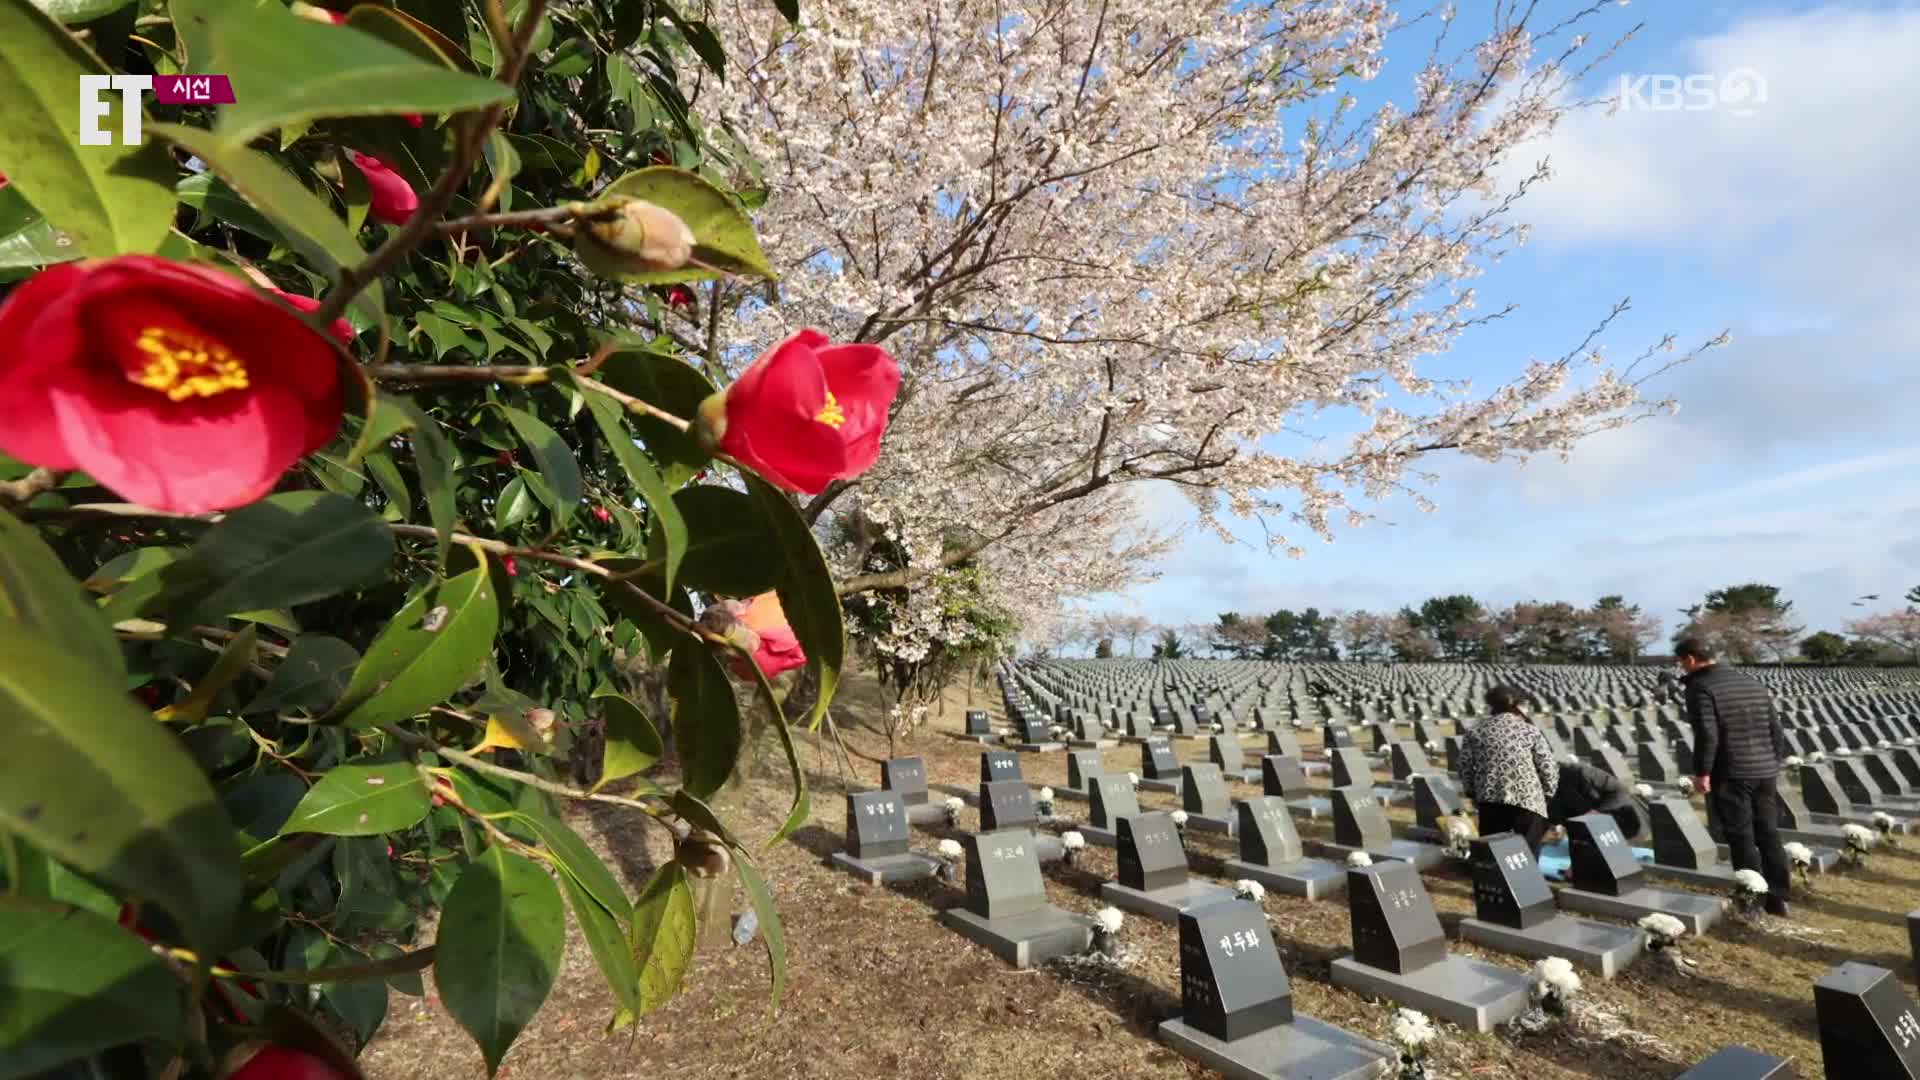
1049 849
1099 836
1194 736
1171 787
1165 903
1209 823
1315 768
926 813
1038 747
1312 808
1473 993
1720 877
1093 744
1595 946
1392 796
1740 1063
1698 912
1071 794
981 739
1899 826
882 869
1025 940
1313 879
1424 857
1246 776
1133 739
1304 1048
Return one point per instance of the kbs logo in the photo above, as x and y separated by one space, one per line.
1739 92
167 90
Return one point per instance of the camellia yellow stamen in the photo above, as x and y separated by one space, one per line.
830 413
182 364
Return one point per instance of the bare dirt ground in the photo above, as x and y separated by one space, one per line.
877 987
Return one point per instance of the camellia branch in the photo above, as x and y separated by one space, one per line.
543 216
409 236
520 375
29 487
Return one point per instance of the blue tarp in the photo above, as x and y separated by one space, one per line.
1556 861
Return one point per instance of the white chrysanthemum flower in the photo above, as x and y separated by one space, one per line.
1429 746
1883 821
1358 859
1684 785
1817 756
1133 778
1459 831
1249 889
1556 975
1750 881
1642 790
1412 1029
1799 854
1072 841
1570 759
953 804
1663 925
1218 728
1858 837
1884 745
1179 817
1794 761
1046 794
1109 919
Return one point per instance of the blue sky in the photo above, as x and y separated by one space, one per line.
1794 456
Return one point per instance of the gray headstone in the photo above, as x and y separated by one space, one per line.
1656 764
876 824
1007 804
977 722
905 777
999 765
1359 820
1225 753
1003 874
1351 768
1150 855
1435 796
1336 736
1822 793
1859 786
1408 759
1156 759
1232 983
1282 776
1110 799
1082 767
1740 1063
1394 925
1285 743
1680 838
1602 859
1034 729
1867 1024
1204 791
1508 888
1267 835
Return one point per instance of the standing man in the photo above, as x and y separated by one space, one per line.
1737 747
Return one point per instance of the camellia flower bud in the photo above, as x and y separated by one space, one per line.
317 14
642 236
704 855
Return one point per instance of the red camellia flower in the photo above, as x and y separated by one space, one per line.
775 647
679 296
806 413
512 568
394 200
341 329
177 386
602 514
285 1063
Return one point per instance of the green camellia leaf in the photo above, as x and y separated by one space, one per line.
802 802
209 195
723 236
632 743
228 666
397 28
76 984
51 879
502 932
307 222
311 678
770 930
727 550
706 719
806 591
431 648
287 70
555 459
672 385
108 200
27 238
38 594
663 936
434 457
580 863
668 524
286 549
362 800
75 12
90 779
607 941
516 504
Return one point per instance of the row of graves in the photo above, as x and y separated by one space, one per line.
1236 1014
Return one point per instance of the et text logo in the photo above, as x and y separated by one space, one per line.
167 90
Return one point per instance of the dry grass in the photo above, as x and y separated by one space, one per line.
877 987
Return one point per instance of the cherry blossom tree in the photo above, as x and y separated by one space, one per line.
1148 240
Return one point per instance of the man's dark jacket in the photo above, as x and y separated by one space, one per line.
1583 790
1736 733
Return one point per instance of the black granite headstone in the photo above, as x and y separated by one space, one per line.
977 722
1608 760
1351 769
1003 874
1224 752
1267 835
1821 791
1740 1063
1907 760
1656 764
1282 776
876 824
1082 767
1150 855
1454 745
1434 797
905 777
1860 787
1110 799
1602 860
1007 804
1508 888
1359 821
1336 736
1232 983
1408 759
1139 727
1793 809
1156 759
1867 1024
1394 925
1680 838
999 765
1879 766
1204 791
1284 743
1033 729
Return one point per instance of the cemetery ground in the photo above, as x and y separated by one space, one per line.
878 987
